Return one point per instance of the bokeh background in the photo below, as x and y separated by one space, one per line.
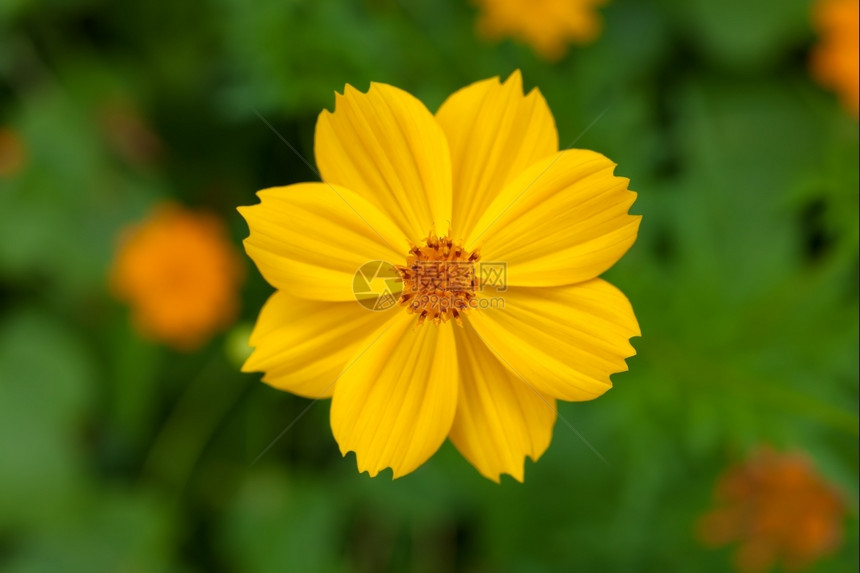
119 452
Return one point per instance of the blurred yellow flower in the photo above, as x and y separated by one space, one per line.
180 275
836 58
548 26
779 509
13 155
443 200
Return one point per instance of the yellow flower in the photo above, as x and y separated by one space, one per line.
481 182
548 26
180 274
779 509
836 59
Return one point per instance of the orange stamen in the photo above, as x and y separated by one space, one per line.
439 280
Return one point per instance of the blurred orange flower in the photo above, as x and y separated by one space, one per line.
836 58
548 26
180 274
13 155
779 509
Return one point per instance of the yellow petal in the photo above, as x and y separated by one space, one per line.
563 220
494 132
302 346
500 419
394 404
309 239
387 147
564 341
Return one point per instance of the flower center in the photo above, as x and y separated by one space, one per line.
439 281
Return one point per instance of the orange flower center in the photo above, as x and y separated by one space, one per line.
439 280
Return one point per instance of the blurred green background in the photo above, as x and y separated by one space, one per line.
118 454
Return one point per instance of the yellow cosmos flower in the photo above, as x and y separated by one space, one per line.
548 26
180 274
482 181
836 59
